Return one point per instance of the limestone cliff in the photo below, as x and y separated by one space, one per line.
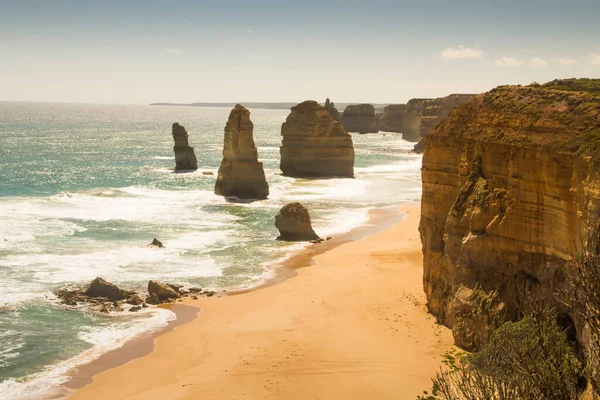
511 189
185 159
419 116
314 145
241 174
360 118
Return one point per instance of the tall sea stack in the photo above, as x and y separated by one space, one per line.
241 175
315 145
185 159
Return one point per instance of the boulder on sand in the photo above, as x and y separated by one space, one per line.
161 290
293 223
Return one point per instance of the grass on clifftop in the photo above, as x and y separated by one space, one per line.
573 85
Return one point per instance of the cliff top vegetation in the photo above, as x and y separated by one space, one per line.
561 115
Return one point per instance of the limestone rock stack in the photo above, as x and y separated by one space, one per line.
419 116
314 145
511 191
185 159
241 175
335 114
294 225
360 118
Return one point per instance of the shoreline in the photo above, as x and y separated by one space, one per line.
143 344
218 323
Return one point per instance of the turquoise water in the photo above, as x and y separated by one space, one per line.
84 188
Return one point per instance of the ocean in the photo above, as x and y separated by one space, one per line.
84 188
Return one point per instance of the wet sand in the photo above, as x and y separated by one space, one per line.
352 325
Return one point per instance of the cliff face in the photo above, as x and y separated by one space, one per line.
185 159
511 189
241 174
360 118
314 145
419 116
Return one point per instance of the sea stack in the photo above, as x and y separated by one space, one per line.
293 223
315 145
241 175
419 116
335 114
360 118
185 159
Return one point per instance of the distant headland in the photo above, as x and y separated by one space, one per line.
272 106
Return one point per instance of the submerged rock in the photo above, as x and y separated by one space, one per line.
161 291
293 223
241 175
156 243
101 288
185 159
360 118
315 145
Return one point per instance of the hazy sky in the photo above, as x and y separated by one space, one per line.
106 51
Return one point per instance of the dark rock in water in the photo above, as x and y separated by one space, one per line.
241 175
144 305
134 300
314 145
293 222
420 146
152 299
156 243
135 308
317 241
185 159
161 291
101 288
207 173
195 290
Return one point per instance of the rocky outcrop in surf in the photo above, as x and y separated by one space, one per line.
419 116
294 225
185 159
360 118
159 292
241 175
511 192
315 145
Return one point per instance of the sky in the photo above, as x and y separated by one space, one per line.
378 51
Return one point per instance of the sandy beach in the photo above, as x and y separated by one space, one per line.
353 325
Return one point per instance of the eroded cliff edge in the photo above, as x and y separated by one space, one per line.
511 190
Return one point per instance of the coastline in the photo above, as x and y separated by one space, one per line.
255 343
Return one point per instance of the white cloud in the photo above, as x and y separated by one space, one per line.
537 62
175 51
595 58
250 31
566 61
508 62
461 53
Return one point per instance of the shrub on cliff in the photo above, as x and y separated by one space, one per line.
530 359
582 296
